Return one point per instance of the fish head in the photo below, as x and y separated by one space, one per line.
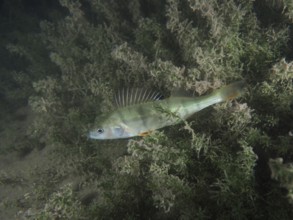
106 132
111 128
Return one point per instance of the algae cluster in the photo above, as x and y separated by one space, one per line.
231 161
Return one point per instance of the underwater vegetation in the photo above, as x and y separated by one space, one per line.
232 160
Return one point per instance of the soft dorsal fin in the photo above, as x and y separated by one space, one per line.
125 97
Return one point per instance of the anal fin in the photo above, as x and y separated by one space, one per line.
144 134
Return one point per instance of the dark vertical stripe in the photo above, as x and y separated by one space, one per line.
122 116
185 105
141 113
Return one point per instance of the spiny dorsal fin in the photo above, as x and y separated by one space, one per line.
132 96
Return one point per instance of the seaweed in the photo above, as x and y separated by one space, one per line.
217 165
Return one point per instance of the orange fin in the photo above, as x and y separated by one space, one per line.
144 134
232 90
233 96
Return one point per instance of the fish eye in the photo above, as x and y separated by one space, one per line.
100 131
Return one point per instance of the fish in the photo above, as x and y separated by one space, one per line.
139 112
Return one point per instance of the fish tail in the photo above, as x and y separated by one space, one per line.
231 91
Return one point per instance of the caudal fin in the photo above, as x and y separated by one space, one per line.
231 91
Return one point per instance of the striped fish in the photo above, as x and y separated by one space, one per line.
140 111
